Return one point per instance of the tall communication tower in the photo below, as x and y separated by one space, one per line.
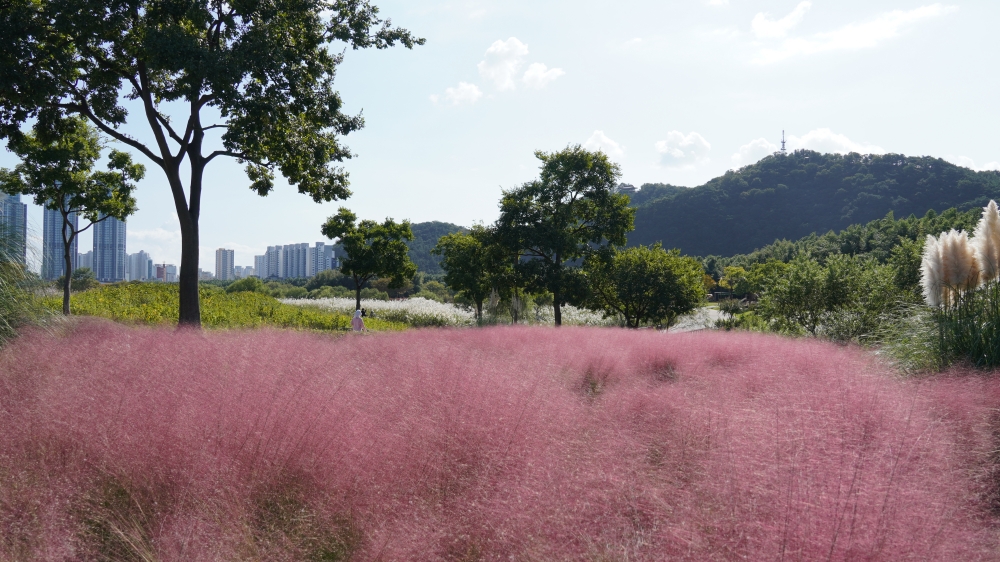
783 151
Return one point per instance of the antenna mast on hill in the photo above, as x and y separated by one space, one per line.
783 151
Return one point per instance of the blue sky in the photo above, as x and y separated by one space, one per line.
675 91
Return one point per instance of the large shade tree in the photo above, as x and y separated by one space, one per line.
374 250
644 284
205 79
57 169
570 211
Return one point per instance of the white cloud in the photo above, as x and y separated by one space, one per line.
967 162
825 140
763 27
753 151
600 141
464 93
864 35
538 75
683 151
503 62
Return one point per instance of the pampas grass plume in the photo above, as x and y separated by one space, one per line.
958 261
930 271
986 243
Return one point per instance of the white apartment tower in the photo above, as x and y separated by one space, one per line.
224 269
139 267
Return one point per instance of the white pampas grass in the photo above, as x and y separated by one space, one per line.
930 271
958 261
986 242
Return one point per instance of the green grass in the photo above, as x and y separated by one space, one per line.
157 303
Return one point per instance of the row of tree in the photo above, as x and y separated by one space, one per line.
564 234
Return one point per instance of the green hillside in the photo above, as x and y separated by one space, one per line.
425 237
791 196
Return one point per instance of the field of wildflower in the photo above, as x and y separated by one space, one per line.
157 304
420 312
502 443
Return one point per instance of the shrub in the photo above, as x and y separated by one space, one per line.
495 444
247 284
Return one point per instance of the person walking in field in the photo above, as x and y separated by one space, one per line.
357 323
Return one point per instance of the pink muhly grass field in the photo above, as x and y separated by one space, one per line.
485 444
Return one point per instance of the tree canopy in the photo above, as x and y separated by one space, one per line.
568 212
246 80
57 170
644 284
375 250
473 264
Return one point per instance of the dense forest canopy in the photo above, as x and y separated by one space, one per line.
790 196
425 237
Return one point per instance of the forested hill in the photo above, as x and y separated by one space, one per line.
425 237
791 196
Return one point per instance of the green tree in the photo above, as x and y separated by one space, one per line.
247 80
644 284
553 222
373 250
734 278
473 264
83 279
57 169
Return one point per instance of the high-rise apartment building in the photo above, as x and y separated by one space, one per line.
53 258
295 264
320 258
138 267
224 269
166 272
85 260
13 228
109 250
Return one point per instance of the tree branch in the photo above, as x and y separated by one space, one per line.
84 109
240 155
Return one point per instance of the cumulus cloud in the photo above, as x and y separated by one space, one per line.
967 162
600 141
538 75
766 28
825 140
503 62
854 36
683 151
753 151
464 93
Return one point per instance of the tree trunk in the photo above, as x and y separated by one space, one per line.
190 307
67 278
67 261
479 311
556 310
357 294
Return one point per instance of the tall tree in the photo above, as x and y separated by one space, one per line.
644 284
373 250
571 210
250 80
57 169
473 264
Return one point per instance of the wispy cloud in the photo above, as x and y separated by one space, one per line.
683 151
967 162
753 151
463 94
600 141
854 36
825 140
538 75
766 28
